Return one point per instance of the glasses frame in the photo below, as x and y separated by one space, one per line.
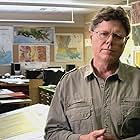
116 37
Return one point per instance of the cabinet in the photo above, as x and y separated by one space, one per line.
12 104
16 87
34 92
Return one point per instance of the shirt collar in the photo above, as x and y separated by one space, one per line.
89 70
120 72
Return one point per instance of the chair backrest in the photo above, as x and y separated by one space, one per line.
51 76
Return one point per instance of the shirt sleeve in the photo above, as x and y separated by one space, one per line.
57 127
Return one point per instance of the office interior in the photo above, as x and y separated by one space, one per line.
42 40
39 42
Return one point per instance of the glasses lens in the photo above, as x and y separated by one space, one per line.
118 37
104 35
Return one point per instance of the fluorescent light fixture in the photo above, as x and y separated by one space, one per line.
39 9
55 4
50 7
36 21
19 8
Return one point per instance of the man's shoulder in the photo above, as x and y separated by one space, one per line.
76 72
129 68
70 71
67 73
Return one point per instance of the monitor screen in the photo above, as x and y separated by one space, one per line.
17 66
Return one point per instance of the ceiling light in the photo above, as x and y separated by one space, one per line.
36 21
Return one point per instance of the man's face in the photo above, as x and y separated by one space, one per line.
108 41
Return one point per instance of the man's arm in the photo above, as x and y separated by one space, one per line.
57 127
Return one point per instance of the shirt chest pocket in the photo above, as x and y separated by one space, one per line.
80 118
130 119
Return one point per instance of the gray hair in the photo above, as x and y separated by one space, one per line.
110 13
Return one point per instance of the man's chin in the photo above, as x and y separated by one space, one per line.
109 59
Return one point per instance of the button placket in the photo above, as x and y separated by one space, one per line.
106 121
102 85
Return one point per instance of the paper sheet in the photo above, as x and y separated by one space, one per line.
26 123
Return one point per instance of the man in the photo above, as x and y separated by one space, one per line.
100 101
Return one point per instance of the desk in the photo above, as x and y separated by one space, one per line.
15 85
13 104
29 87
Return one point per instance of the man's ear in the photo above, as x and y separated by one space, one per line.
90 34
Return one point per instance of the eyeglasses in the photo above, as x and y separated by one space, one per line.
104 35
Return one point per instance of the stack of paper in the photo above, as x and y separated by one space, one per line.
16 81
27 123
6 94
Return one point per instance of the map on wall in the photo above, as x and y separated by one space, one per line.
136 12
34 53
136 34
6 45
34 35
69 47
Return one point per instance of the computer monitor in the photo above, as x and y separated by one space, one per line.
15 69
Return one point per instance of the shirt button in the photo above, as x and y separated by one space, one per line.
106 125
85 115
105 105
102 85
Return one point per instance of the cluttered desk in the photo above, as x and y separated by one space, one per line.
14 81
15 92
8 96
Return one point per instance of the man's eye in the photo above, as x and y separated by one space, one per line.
104 34
118 36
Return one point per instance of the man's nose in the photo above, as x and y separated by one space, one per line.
109 39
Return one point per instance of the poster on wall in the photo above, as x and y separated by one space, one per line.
136 34
6 44
136 23
34 53
136 12
69 47
34 35
137 57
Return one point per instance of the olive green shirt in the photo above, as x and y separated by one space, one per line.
84 102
